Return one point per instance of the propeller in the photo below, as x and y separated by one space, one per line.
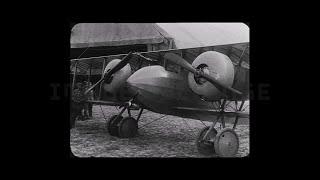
230 92
108 74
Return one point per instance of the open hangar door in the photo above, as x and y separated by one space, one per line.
76 53
89 40
83 71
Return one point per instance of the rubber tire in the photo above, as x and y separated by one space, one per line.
128 127
205 149
112 125
216 142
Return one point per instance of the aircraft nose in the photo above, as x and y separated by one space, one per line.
132 86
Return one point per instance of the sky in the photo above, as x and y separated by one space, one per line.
188 35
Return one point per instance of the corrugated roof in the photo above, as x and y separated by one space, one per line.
116 34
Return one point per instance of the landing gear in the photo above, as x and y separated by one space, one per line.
128 127
112 125
122 127
226 143
206 146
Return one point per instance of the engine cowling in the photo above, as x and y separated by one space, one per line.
118 79
217 65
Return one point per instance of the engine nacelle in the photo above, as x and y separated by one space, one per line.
118 79
216 65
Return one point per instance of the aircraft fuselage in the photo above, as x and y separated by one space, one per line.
161 90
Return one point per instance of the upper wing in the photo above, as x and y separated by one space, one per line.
236 52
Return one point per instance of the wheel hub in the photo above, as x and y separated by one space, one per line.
226 143
206 146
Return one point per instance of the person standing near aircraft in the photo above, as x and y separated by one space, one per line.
88 105
77 103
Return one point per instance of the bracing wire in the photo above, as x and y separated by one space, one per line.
152 121
203 123
103 113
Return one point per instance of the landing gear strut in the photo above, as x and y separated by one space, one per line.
124 127
224 143
206 146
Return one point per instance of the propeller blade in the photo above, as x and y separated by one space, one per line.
116 68
180 61
230 92
93 86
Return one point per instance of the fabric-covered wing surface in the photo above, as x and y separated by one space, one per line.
211 114
236 52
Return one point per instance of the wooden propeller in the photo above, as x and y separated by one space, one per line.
228 91
108 74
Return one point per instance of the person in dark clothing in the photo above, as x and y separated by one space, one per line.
89 97
77 103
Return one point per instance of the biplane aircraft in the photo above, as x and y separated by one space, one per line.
197 83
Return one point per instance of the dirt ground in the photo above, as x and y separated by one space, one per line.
169 136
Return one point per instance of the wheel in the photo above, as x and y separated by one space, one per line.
112 125
226 143
206 148
128 127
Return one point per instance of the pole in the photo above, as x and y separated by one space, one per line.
89 77
74 75
103 66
